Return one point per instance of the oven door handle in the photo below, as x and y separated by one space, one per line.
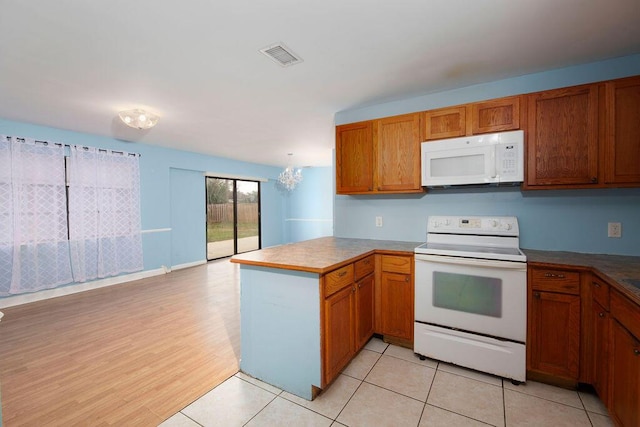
488 263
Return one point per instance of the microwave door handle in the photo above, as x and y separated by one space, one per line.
492 172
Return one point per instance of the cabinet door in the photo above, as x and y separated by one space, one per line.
339 317
625 376
445 123
397 305
398 148
354 158
622 154
496 115
554 334
600 352
364 310
562 137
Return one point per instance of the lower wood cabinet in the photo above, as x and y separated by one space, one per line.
553 345
598 352
397 297
348 310
365 308
624 404
339 327
584 329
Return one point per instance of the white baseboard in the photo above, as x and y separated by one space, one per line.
187 265
78 287
87 286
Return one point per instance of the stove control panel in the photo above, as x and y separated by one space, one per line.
483 225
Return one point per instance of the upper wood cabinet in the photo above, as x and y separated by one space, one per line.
480 117
584 136
354 158
562 137
622 155
496 115
379 156
397 141
445 123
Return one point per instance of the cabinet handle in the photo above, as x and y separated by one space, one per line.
594 179
406 279
359 285
536 294
559 276
636 352
353 289
596 284
601 314
342 274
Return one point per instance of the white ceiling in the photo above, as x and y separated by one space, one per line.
73 64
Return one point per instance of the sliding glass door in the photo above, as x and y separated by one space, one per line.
233 216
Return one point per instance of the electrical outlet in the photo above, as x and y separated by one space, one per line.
614 229
378 221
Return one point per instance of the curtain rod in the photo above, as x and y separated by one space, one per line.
17 138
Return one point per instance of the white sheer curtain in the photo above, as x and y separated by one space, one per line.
34 248
104 213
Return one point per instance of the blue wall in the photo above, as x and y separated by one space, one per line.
310 206
172 193
573 220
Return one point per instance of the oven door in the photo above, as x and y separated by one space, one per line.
475 295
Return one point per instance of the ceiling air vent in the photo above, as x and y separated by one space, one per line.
281 54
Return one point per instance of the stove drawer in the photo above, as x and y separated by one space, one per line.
552 280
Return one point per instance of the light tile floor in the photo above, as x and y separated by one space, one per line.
386 385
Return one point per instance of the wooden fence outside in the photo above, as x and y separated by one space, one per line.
247 212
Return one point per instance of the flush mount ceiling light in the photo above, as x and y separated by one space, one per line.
138 119
281 54
289 177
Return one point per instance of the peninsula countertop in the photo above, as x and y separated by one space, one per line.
321 255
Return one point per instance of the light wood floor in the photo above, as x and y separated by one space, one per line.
130 354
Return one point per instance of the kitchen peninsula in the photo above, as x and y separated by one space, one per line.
293 296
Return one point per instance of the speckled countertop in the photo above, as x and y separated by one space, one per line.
328 253
618 269
321 255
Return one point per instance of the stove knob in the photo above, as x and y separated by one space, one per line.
508 226
493 223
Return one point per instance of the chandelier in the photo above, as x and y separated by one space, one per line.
138 119
289 177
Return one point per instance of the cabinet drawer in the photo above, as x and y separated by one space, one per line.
396 264
626 312
600 292
566 282
364 266
338 279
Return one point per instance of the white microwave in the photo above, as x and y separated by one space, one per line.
494 158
